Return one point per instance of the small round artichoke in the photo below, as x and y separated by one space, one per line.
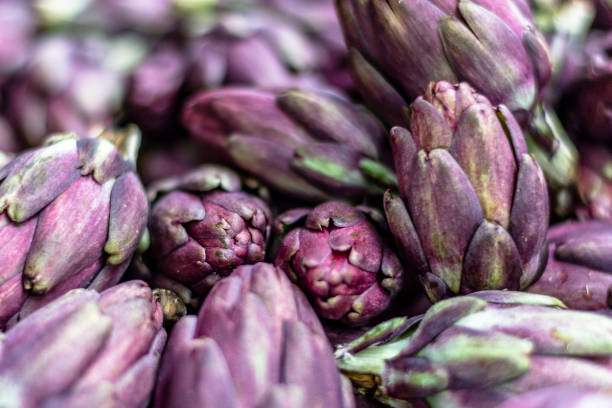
202 227
335 253
473 212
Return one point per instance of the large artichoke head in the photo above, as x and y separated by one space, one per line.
256 343
480 350
474 210
85 349
202 227
338 256
72 213
579 268
310 145
398 47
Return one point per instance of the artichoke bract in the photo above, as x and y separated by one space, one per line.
481 350
72 213
309 145
473 207
202 227
398 47
579 269
85 349
255 343
340 259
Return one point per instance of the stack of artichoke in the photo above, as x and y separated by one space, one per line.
317 203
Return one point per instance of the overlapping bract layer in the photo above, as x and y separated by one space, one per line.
594 183
84 349
339 258
203 227
481 350
473 212
256 343
306 144
579 269
72 213
397 48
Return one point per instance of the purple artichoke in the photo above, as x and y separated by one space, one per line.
579 269
8 141
305 144
256 343
481 350
84 349
337 256
70 84
267 44
72 213
473 212
595 183
203 227
153 93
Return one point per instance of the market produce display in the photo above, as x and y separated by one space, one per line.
306 203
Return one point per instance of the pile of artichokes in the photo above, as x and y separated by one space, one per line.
306 203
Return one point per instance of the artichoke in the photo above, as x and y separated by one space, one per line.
202 227
579 269
17 26
72 213
265 44
603 16
256 343
339 258
305 144
70 84
398 47
84 349
481 350
473 212
594 183
8 141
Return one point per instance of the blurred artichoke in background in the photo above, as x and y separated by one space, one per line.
339 258
265 43
595 183
603 16
579 269
8 140
473 212
17 27
397 48
481 350
84 349
71 84
256 343
308 145
202 227
72 213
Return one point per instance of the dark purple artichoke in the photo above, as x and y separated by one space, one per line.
339 258
480 350
308 145
202 227
256 343
72 213
152 100
579 269
84 349
594 183
473 212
